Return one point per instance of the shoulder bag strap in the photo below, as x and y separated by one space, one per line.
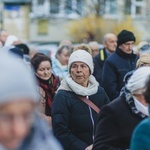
89 103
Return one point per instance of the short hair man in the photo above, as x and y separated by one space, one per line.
118 64
110 44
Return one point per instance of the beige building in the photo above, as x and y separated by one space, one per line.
47 20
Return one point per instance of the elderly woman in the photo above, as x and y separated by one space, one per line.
74 120
47 81
141 136
20 127
118 119
60 61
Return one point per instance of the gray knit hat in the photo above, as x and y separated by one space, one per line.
81 56
16 80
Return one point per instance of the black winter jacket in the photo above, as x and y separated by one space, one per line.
73 121
114 70
115 126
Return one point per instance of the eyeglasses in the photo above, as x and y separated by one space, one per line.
6 120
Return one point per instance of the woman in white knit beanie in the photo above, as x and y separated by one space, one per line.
73 120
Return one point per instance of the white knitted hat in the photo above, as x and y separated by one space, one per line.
16 80
81 56
136 84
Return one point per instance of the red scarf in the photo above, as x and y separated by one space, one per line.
49 86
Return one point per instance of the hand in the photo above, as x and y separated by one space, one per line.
89 147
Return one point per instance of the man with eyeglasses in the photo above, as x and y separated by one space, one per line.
118 64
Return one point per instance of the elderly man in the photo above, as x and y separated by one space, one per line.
118 64
110 44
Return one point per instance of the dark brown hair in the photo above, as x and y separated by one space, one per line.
37 59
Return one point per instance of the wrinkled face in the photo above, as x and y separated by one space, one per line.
3 36
80 73
44 70
63 57
15 121
111 43
127 47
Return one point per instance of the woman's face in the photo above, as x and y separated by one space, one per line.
63 57
15 122
44 70
80 73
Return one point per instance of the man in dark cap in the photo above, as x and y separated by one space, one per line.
118 64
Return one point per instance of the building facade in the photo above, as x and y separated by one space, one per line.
47 20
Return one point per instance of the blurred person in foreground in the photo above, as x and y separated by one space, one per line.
118 119
21 128
118 64
141 136
110 45
47 81
73 120
60 61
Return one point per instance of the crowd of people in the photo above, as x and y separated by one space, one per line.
83 98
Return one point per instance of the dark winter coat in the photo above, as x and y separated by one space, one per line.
114 70
115 125
73 121
99 60
40 137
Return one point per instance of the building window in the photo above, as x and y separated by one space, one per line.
68 7
54 6
138 8
74 6
127 7
109 7
57 7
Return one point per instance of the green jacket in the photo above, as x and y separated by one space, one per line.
141 136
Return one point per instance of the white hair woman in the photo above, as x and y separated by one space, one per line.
20 126
73 120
